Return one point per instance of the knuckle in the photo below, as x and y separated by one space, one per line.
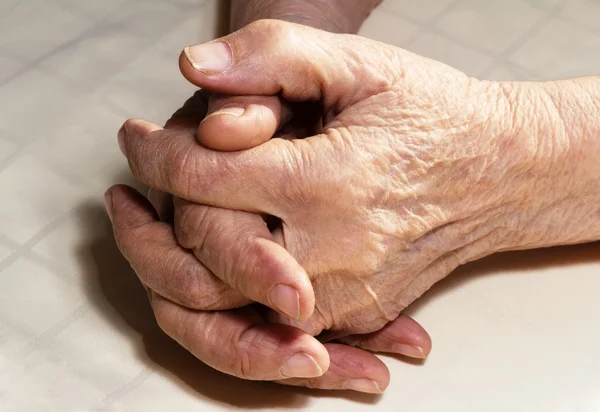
241 362
243 366
197 289
251 348
191 225
203 231
347 364
270 27
281 31
264 345
215 247
185 286
274 34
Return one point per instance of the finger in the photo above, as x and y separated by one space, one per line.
403 336
270 57
237 342
161 264
349 368
238 248
231 123
187 118
262 179
241 122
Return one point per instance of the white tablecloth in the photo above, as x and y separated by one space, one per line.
515 332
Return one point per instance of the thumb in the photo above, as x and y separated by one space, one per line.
270 57
241 122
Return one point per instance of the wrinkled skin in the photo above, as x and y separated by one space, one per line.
396 192
167 270
418 169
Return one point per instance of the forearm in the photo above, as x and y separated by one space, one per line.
559 123
577 147
339 16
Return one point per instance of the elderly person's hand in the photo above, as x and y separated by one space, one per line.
168 271
263 116
418 169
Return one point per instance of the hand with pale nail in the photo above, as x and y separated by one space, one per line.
177 282
418 169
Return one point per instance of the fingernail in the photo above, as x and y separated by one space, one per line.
233 111
412 351
121 138
210 58
108 204
363 385
286 299
301 365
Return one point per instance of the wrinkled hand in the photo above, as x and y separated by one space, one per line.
240 343
399 189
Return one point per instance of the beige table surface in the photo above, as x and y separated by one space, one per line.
515 332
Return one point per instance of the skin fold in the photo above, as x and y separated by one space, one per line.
416 170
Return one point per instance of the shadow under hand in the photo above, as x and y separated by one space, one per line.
109 279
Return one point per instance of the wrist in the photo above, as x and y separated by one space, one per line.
575 131
338 16
553 136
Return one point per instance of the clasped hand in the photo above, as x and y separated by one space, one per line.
377 186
